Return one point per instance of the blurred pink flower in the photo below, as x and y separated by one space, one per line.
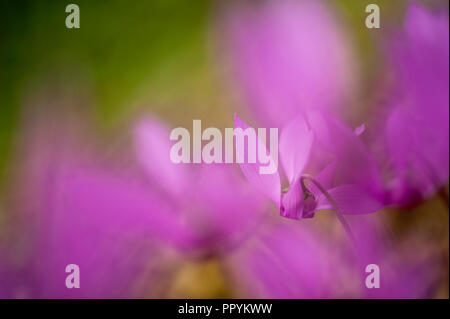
283 261
417 129
296 67
289 56
116 224
76 210
213 200
286 260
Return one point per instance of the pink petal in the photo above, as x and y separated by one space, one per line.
282 51
292 203
116 204
295 145
324 178
422 25
267 184
153 146
354 163
351 200
288 261
359 130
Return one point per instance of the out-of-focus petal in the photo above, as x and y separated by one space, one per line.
107 225
289 56
352 199
354 164
295 144
360 129
152 144
285 262
118 203
267 184
417 128
410 179
403 274
227 208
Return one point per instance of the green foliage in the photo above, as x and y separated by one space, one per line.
119 45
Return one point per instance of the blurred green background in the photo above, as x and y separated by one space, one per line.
120 46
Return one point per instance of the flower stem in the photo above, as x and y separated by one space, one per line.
333 204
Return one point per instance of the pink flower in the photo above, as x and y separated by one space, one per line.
75 208
354 188
289 56
212 199
417 128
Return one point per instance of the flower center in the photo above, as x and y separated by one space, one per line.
309 201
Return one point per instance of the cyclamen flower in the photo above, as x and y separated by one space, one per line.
417 129
217 206
349 187
231 212
77 211
295 65
285 261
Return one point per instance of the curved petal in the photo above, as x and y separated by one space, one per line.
267 184
288 261
351 200
325 178
228 208
354 163
292 203
295 144
152 145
